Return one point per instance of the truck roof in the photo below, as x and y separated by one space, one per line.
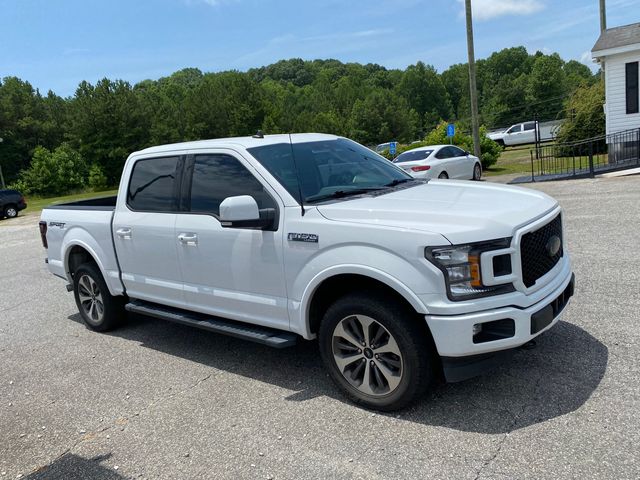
244 142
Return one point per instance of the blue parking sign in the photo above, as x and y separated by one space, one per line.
392 148
451 130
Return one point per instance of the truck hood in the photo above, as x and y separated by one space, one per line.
461 211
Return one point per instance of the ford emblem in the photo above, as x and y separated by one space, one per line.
553 245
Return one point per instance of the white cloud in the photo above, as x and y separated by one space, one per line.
489 9
586 58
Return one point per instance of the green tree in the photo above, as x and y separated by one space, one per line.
584 114
53 173
425 93
383 116
107 124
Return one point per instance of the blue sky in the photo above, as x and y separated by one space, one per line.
55 44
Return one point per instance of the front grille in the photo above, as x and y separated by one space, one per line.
536 251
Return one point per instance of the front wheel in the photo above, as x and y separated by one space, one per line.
376 351
100 310
477 172
11 212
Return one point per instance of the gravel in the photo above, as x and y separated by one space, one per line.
158 400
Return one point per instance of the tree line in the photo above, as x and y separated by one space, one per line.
93 131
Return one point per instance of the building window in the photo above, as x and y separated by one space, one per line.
632 87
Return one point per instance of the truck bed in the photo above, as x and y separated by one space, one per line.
86 225
99 203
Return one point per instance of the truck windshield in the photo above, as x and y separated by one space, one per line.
328 169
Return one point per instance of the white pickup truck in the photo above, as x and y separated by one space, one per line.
279 238
525 133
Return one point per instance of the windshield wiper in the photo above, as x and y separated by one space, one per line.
399 181
342 193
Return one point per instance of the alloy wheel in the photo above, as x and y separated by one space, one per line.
367 355
91 298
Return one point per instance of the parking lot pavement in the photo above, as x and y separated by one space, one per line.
158 400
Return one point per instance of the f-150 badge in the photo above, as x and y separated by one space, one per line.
303 237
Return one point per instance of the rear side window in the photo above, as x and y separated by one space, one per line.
218 176
457 152
152 187
413 156
529 126
444 153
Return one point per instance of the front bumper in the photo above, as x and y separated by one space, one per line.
453 334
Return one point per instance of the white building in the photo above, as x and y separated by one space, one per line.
618 51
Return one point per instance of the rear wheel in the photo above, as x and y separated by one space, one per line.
376 351
477 171
443 175
10 211
99 309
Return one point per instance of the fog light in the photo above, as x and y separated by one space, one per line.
477 328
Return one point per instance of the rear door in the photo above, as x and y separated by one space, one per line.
529 132
144 231
230 272
462 164
443 163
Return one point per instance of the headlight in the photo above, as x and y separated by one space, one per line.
460 265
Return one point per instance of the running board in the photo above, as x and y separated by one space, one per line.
253 333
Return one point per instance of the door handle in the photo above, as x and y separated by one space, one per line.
124 233
190 239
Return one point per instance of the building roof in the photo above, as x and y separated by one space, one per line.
617 37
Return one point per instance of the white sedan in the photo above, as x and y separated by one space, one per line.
440 161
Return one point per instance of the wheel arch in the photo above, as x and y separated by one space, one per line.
330 285
77 253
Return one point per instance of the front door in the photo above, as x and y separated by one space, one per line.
144 235
229 272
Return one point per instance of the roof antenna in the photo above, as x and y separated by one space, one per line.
295 166
259 134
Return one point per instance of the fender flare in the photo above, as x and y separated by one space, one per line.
79 243
353 269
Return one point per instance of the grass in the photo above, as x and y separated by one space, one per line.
512 161
36 204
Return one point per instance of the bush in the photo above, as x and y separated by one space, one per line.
97 179
53 173
584 113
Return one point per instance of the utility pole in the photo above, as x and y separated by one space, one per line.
603 27
2 176
475 124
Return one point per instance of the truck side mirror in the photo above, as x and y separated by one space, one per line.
242 212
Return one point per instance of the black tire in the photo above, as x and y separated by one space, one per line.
443 175
10 211
477 172
113 314
404 326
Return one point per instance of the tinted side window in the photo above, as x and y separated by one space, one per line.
218 176
152 185
457 152
444 153
529 126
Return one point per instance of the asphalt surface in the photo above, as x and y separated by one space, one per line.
158 400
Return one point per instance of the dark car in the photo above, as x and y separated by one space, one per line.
11 202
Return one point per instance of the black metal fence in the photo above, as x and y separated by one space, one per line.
587 157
